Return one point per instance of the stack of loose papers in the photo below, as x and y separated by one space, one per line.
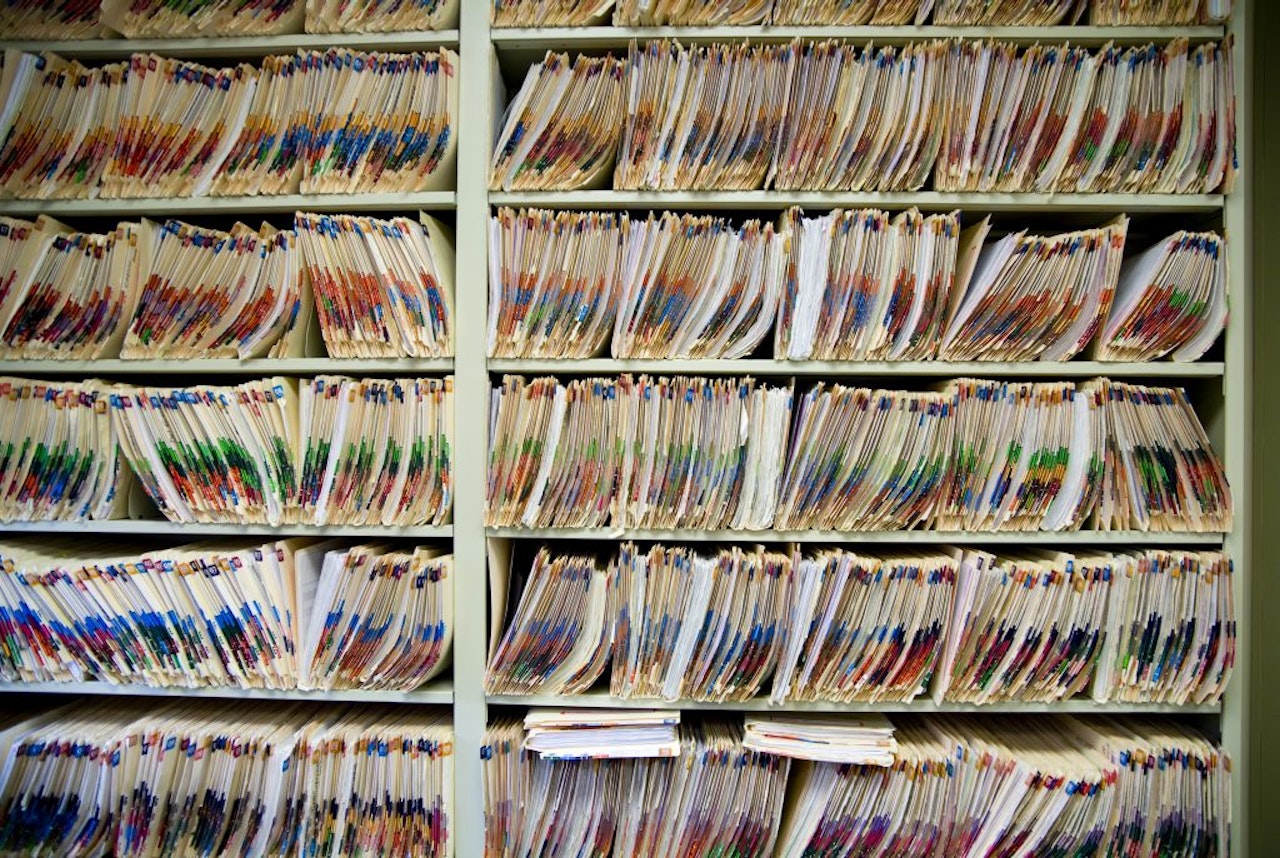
133 778
560 131
865 740
601 734
289 614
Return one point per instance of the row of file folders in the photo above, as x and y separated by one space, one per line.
158 19
960 786
335 121
854 13
640 452
138 778
844 626
295 613
957 115
83 19
346 285
326 450
852 284
966 455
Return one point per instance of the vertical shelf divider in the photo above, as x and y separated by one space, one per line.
471 395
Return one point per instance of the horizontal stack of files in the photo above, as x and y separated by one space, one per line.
864 740
1057 785
638 452
601 734
736 13
60 453
172 290
328 450
560 130
954 115
133 778
846 626
976 455
289 614
850 285
338 121
715 798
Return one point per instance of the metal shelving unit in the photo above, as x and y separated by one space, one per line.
1227 380
433 693
921 705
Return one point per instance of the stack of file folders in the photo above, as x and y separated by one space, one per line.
337 121
963 625
588 734
295 613
208 778
853 13
958 115
851 285
728 453
715 797
866 740
172 291
959 786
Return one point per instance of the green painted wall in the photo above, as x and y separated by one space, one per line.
1264 571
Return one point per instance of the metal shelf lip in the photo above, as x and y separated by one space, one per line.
926 200
230 366
154 527
922 537
433 692
1075 706
766 366
214 47
265 204
562 38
